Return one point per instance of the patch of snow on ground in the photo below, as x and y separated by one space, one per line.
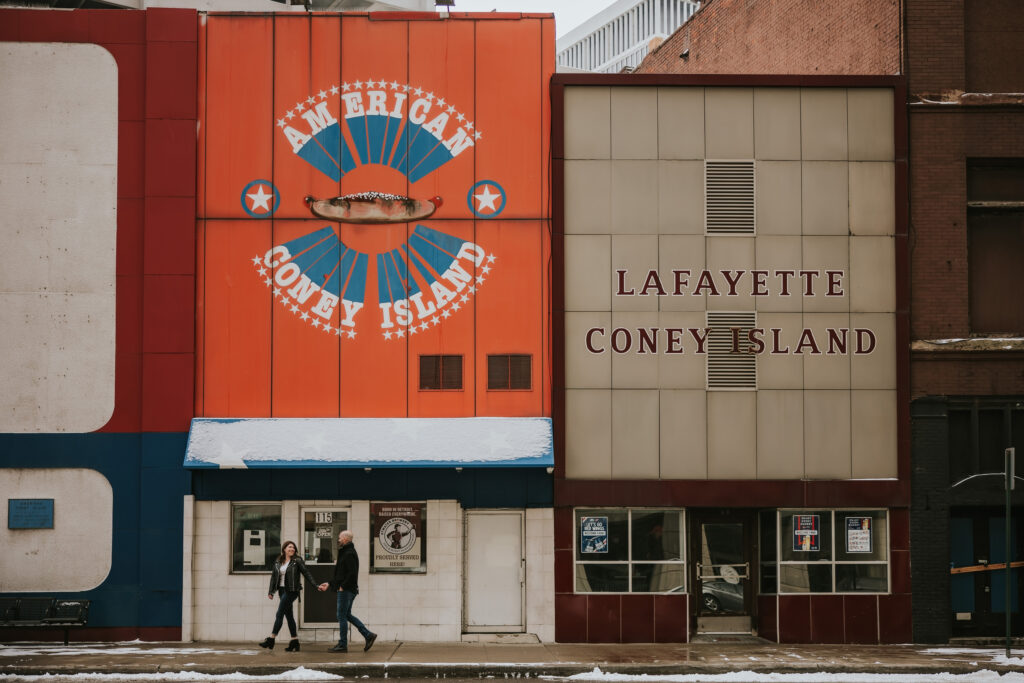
58 650
983 676
299 674
996 656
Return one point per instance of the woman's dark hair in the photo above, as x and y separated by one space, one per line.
280 558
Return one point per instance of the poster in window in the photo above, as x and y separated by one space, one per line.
858 534
399 537
806 536
593 534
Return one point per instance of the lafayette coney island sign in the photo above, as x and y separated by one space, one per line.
418 282
718 285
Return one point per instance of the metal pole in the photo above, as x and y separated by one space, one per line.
1008 456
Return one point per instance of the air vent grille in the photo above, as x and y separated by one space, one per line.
729 197
726 368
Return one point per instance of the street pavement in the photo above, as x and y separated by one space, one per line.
473 660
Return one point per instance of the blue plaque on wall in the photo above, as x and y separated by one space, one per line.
30 513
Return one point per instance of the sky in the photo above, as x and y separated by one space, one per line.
568 13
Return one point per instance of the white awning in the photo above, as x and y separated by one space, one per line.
228 443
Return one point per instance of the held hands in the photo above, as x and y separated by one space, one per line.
322 587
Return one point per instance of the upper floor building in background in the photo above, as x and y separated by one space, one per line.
242 5
620 36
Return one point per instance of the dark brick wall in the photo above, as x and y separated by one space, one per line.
929 520
784 37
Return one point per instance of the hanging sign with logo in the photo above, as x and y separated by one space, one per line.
399 537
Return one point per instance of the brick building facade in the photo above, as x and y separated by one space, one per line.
784 37
967 360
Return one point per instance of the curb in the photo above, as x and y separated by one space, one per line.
504 670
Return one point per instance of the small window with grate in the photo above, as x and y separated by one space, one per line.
509 371
441 372
729 361
729 197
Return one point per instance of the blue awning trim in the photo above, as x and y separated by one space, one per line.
251 443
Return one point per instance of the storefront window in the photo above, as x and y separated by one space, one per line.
833 551
255 537
320 529
629 551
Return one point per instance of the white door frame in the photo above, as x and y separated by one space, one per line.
466 628
347 509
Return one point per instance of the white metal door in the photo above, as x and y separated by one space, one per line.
495 572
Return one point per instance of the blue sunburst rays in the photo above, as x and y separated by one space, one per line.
331 265
428 254
377 141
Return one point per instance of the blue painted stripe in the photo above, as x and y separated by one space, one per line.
424 272
357 127
340 274
356 288
433 160
301 244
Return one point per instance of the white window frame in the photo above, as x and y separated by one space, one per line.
629 562
832 562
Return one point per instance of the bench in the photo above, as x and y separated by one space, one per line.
43 613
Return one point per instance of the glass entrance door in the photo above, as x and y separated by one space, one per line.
723 572
320 529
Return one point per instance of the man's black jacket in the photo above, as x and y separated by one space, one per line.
346 570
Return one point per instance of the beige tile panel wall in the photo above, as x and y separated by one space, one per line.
694 434
824 200
828 124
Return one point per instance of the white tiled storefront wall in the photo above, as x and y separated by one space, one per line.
540 573
419 607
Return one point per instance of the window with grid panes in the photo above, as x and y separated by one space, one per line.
509 371
441 372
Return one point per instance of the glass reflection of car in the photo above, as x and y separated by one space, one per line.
722 596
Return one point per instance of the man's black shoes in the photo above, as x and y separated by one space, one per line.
338 648
370 640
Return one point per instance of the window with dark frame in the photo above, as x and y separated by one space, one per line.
441 373
509 371
995 245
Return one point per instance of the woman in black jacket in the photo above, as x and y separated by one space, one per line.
285 580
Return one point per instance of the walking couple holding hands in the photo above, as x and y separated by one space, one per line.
285 580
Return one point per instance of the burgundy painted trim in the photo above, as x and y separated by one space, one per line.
558 276
694 493
902 249
562 79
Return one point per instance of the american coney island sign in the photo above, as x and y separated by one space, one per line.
411 284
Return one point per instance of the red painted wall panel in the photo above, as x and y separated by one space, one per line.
156 53
320 106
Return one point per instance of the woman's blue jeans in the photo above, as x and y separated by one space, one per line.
284 611
345 617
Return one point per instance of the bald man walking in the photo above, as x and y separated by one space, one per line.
346 583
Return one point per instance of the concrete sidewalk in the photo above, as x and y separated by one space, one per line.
472 660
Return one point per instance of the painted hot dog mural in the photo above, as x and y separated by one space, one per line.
393 204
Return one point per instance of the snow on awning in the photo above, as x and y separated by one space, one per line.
228 443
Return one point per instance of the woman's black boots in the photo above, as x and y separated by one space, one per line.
293 646
268 643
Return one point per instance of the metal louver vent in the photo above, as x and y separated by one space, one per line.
728 369
729 197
